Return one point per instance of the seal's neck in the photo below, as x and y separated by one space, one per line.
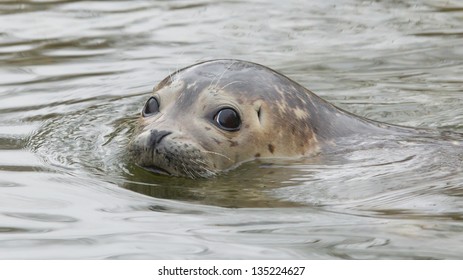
330 123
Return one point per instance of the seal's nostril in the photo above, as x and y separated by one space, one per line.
156 136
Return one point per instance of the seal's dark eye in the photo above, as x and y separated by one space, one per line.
228 119
151 107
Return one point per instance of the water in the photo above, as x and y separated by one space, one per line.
75 74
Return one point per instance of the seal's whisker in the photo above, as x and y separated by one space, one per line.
204 170
212 81
177 65
178 74
171 74
218 154
184 169
189 169
202 163
188 172
234 82
221 75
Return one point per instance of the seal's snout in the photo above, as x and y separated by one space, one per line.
156 137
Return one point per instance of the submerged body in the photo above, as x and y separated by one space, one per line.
212 116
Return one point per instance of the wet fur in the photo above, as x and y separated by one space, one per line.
293 121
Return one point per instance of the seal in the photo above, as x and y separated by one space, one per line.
212 116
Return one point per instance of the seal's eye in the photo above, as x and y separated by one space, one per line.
151 107
228 119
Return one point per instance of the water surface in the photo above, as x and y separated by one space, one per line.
75 74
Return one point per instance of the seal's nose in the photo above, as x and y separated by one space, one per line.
156 137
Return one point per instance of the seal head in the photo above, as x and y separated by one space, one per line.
212 116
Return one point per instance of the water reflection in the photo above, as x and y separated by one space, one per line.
251 185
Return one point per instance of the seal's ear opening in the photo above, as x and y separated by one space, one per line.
259 113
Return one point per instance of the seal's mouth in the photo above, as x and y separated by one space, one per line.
156 170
